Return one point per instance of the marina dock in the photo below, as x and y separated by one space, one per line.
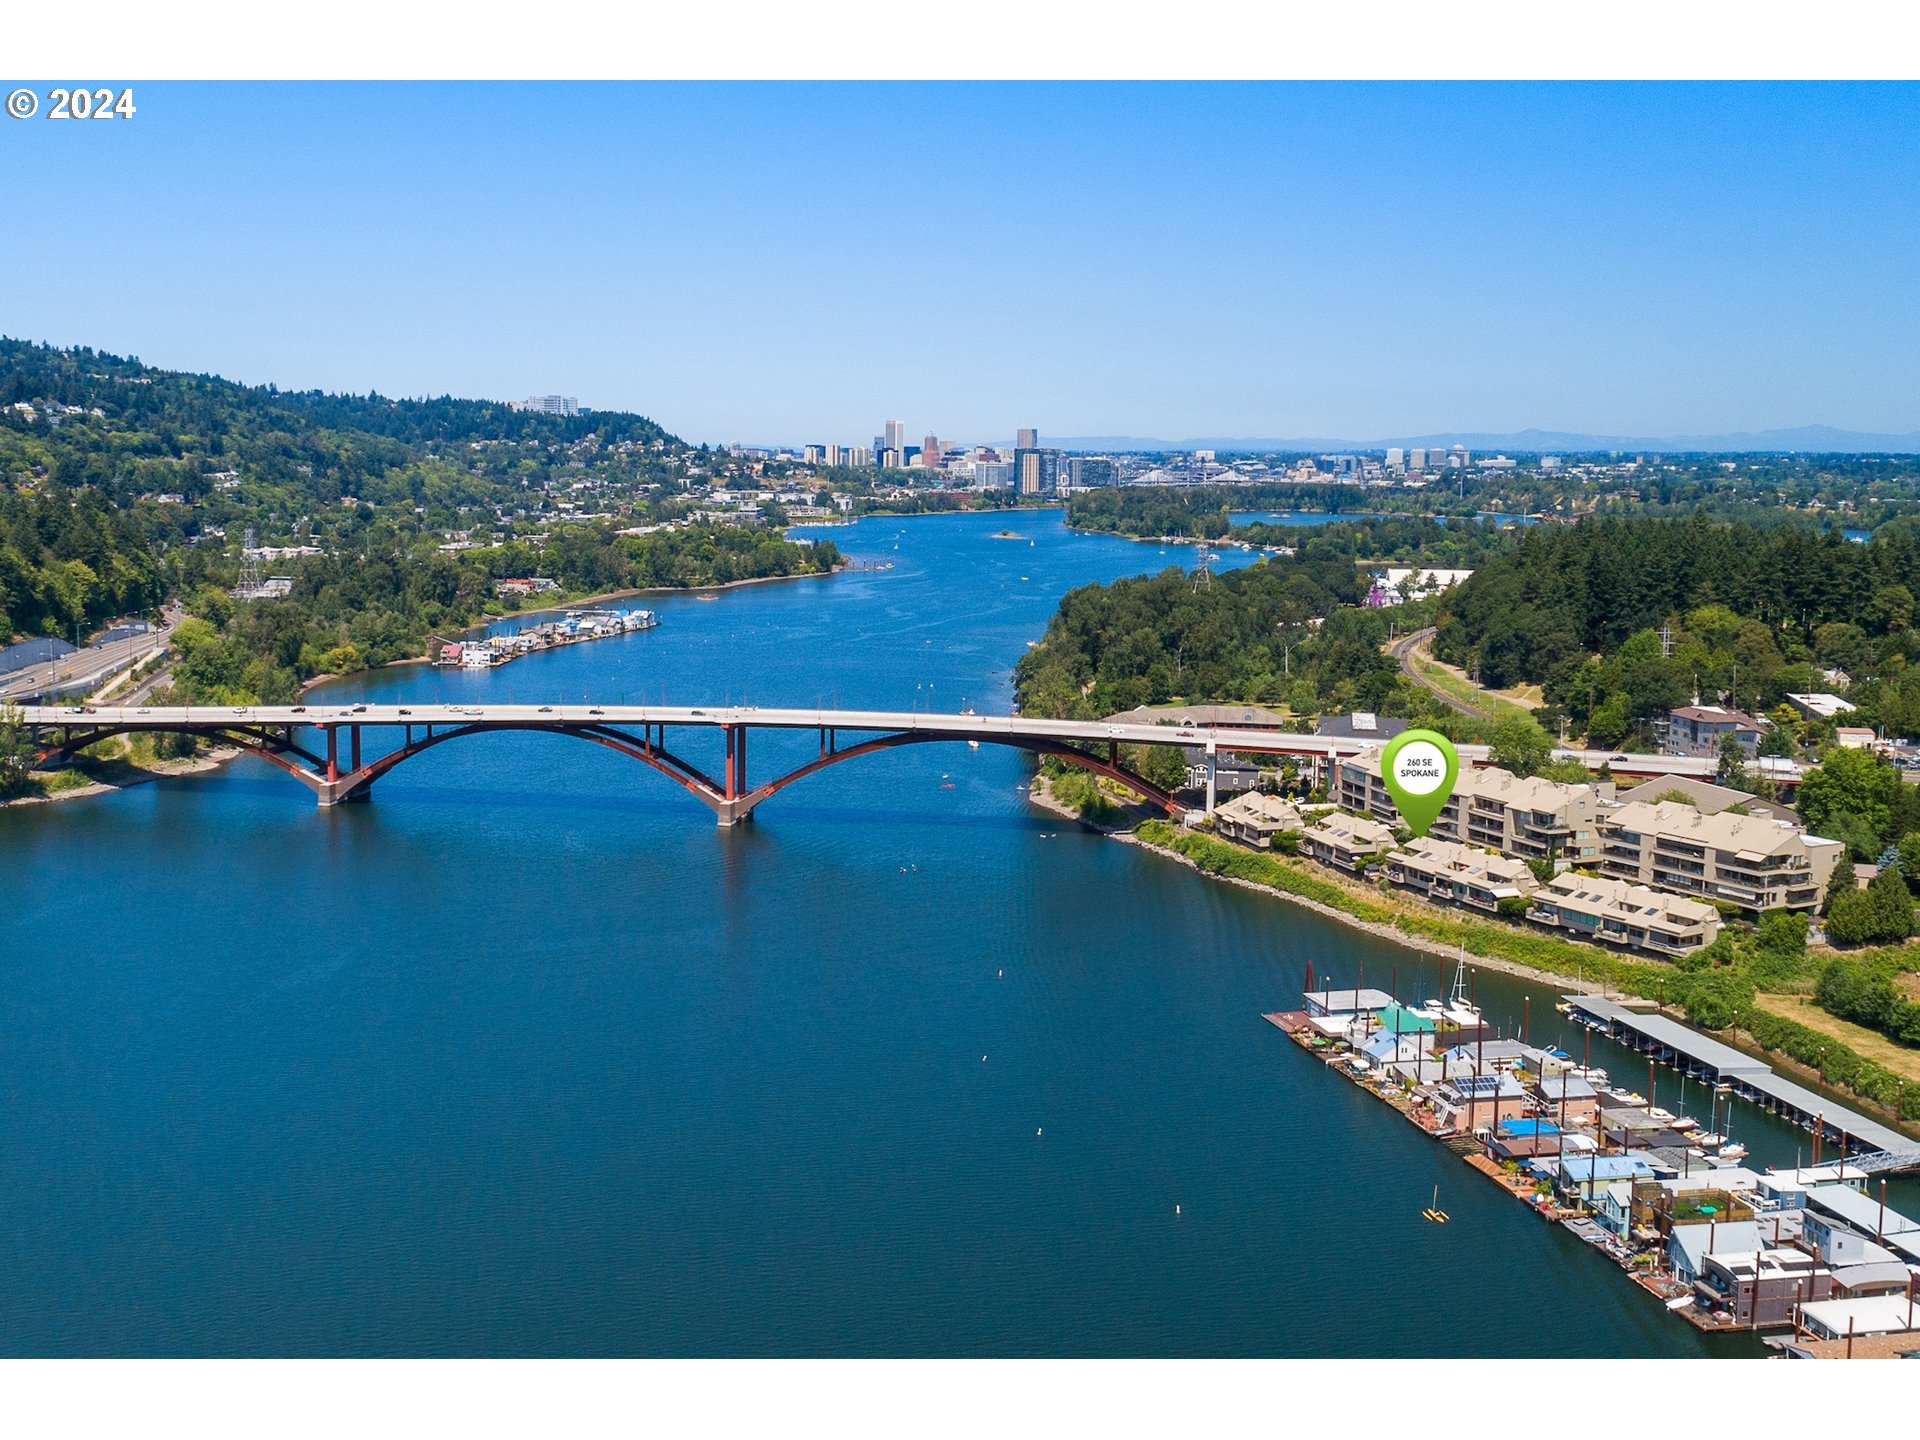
1701 1057
1725 1248
574 627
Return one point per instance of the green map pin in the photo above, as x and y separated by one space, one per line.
1419 768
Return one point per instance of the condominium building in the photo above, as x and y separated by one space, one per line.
1452 874
1036 472
1756 862
1090 470
1617 912
1343 841
1526 817
1254 819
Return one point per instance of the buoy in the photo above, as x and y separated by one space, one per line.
983 1059
1003 974
1038 1133
1176 1209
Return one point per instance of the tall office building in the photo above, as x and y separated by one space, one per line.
895 437
857 457
930 452
1396 457
1090 470
812 454
1417 459
1035 471
893 458
1026 440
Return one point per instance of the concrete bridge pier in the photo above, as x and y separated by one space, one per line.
736 811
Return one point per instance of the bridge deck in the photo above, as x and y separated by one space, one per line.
959 726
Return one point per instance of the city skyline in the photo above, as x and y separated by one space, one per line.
1360 261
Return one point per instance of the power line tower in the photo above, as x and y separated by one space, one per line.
1203 572
250 582
1666 642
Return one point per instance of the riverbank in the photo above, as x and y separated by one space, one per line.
563 605
1379 928
1814 1057
103 777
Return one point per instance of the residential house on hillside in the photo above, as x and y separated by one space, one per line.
1697 730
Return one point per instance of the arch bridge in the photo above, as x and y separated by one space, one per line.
321 746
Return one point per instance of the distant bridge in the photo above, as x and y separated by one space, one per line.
320 745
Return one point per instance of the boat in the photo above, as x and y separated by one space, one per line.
1733 1150
1710 1141
1680 1302
1660 1113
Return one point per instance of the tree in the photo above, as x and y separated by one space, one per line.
1732 770
1162 765
1892 904
1850 782
1715 997
16 754
1607 727
1909 853
1881 913
1520 746
1841 882
1783 932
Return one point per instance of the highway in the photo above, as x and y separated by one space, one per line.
86 667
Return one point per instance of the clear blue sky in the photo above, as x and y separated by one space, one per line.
802 262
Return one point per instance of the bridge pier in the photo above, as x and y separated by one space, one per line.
736 811
343 790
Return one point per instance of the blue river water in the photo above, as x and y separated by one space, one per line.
526 1057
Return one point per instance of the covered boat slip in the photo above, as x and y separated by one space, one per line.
1702 1057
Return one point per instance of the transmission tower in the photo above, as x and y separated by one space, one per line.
250 582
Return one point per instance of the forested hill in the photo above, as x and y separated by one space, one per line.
1289 631
122 486
82 417
1749 617
1571 590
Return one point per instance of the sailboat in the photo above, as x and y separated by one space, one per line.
1456 1009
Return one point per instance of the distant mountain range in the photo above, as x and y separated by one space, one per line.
1817 439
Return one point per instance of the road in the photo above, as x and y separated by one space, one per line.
88 666
1215 739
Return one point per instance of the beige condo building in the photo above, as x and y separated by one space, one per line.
1751 861
1524 817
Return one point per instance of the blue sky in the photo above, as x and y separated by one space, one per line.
801 262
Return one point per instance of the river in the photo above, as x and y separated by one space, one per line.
526 1057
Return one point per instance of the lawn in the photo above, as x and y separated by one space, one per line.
1900 1059
1451 682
